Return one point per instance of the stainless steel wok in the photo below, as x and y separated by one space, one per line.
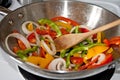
84 13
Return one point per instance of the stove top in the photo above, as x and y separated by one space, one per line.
5 3
106 75
8 72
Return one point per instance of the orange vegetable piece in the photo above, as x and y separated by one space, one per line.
39 61
21 44
96 50
30 26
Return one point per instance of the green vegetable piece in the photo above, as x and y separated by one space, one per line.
52 24
62 53
23 53
76 29
22 56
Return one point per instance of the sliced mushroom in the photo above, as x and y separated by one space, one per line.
57 64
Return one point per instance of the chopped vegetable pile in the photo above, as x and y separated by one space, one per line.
37 46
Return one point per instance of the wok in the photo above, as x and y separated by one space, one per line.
84 13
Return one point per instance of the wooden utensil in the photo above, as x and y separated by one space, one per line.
69 40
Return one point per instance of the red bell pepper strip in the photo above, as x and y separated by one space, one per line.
15 49
42 52
71 22
21 44
76 60
115 40
52 33
31 38
109 58
107 42
35 54
83 30
41 32
64 31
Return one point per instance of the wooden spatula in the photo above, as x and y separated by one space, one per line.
69 40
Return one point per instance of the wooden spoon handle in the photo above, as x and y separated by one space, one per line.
105 27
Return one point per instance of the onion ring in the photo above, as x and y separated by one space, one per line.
24 28
51 51
18 36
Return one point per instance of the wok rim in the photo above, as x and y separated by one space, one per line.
21 63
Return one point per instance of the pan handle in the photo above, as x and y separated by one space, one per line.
4 11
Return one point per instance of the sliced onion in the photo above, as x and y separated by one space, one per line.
37 42
52 49
57 64
81 26
100 59
18 36
24 28
37 39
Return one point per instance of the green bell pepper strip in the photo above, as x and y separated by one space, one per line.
72 52
82 48
76 29
51 24
62 53
23 53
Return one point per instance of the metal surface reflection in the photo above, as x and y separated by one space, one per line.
65 9
95 15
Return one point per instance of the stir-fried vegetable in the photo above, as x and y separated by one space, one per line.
52 24
37 46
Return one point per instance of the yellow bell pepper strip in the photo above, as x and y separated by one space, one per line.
46 61
96 50
30 27
39 61
34 59
110 50
63 24
24 53
76 55
82 48
51 24
99 37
